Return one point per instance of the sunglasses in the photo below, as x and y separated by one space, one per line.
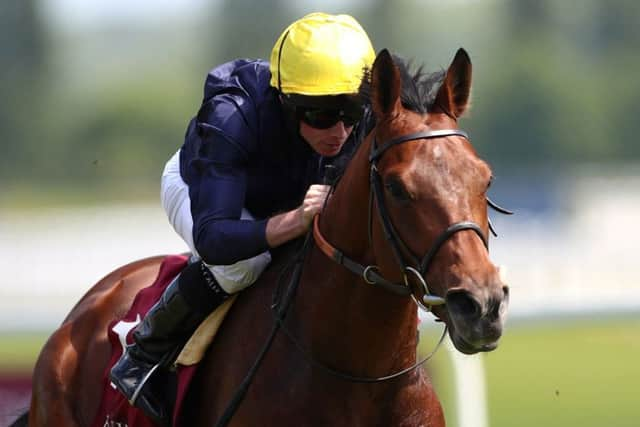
323 118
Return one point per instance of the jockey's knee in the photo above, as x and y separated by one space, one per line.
235 277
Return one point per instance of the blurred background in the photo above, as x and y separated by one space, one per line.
96 95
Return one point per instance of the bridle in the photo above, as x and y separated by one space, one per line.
416 267
370 274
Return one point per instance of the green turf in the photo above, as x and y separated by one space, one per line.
560 373
567 373
18 352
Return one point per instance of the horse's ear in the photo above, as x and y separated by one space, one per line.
385 86
453 95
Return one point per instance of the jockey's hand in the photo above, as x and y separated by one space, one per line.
288 225
312 204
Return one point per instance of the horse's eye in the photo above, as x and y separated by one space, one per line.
397 190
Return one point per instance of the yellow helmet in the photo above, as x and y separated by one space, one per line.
321 54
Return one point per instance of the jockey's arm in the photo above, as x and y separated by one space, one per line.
217 200
219 235
222 241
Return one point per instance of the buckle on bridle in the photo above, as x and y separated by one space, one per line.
365 274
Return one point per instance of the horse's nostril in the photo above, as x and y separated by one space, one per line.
495 308
464 304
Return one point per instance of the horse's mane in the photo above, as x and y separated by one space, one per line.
419 89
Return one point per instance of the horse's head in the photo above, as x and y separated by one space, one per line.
429 187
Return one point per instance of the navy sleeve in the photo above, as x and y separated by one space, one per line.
218 183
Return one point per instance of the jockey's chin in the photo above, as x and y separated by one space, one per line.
326 142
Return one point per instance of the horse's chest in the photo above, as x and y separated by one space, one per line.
354 406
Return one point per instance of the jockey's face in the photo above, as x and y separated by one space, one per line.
326 142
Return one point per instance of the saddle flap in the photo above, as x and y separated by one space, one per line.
197 345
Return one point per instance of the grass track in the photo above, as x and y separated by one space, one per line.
557 373
18 352
567 373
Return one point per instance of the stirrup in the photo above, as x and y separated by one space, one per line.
136 393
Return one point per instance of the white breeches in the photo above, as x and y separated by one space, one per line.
174 195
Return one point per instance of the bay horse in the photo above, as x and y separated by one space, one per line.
409 216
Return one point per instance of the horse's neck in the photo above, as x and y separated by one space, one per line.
350 324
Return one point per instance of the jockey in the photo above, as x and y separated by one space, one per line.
246 178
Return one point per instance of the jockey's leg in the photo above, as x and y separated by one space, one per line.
186 302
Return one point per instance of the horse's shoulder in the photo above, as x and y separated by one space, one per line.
87 321
61 369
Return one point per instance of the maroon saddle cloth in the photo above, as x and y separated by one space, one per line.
114 409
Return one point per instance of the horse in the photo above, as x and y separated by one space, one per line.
406 226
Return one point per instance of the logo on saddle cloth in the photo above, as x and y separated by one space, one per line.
114 409
111 423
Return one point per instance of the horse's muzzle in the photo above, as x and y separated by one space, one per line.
476 318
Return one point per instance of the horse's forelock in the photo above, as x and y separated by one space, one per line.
419 89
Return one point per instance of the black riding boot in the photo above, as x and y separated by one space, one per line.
185 303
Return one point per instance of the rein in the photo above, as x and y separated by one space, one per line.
369 273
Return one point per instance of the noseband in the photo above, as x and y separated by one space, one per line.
415 267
